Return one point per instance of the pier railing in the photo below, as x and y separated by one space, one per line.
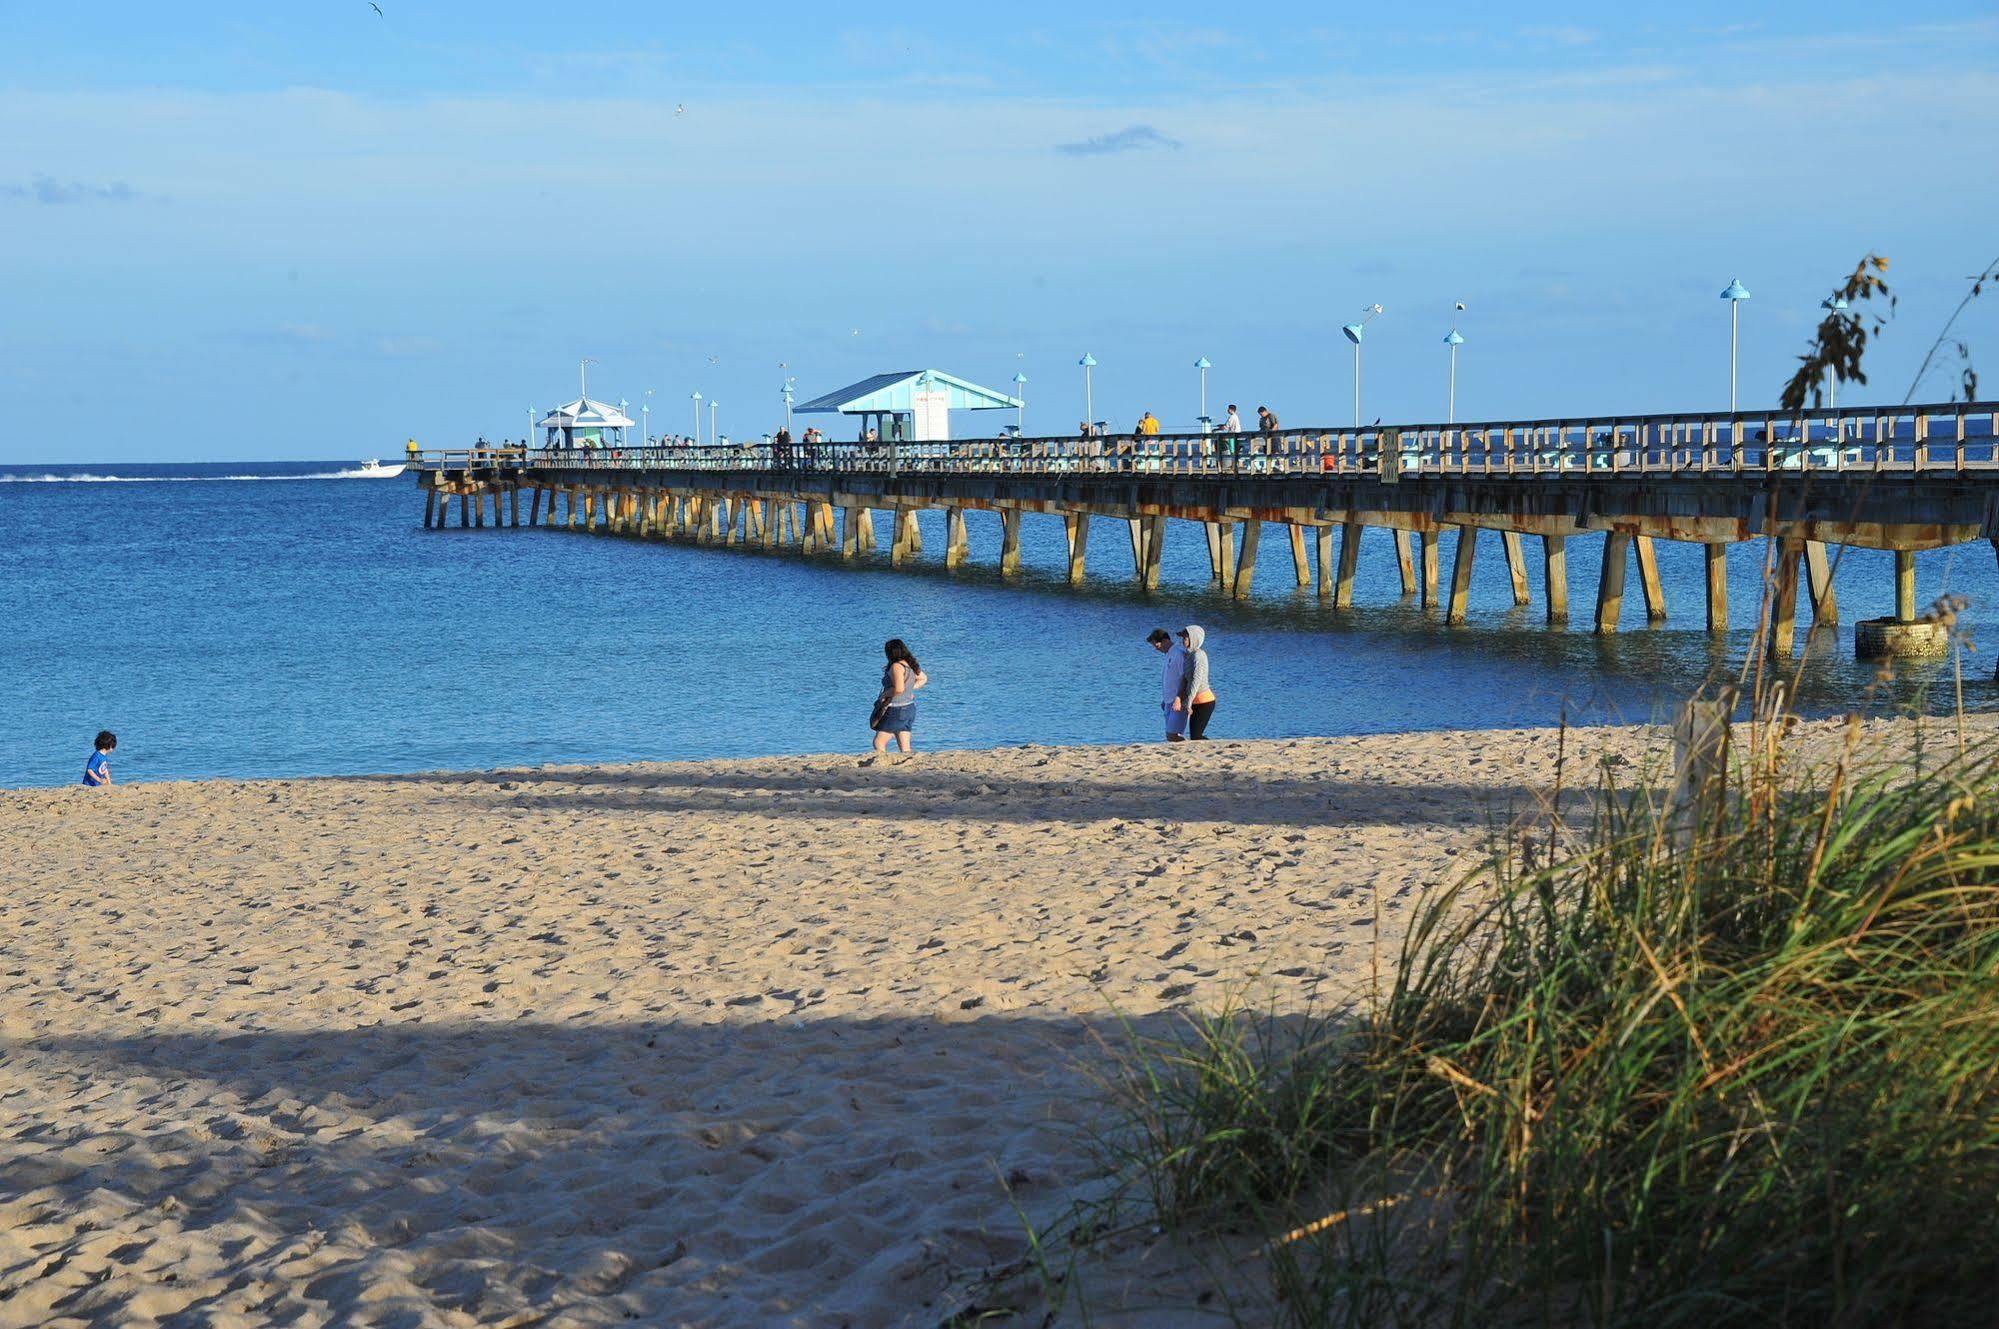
1957 437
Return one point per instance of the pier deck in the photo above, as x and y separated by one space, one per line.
1903 479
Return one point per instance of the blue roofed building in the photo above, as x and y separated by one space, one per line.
913 406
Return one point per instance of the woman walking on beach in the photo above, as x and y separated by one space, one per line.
1196 695
895 709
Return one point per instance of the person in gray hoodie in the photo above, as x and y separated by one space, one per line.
1197 697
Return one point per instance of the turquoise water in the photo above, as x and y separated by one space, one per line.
270 619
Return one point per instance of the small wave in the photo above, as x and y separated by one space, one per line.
87 479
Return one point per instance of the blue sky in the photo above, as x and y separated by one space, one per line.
251 230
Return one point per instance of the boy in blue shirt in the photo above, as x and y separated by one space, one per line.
97 771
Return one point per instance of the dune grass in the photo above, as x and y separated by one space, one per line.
1731 1058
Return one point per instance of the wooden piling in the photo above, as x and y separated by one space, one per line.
1349 560
866 516
1213 530
1322 541
915 541
479 509
850 532
1245 564
534 506
1905 585
901 539
1460 593
1516 565
1227 531
1077 527
1610 583
1136 525
429 507
514 503
1555 576
1818 569
956 544
1155 549
1431 557
1404 563
1784 598
1716 557
1653 589
1009 542
1300 566
464 511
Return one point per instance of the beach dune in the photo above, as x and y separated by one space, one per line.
788 1041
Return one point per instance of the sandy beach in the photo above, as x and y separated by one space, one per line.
773 1042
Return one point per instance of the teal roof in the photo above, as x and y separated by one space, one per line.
897 393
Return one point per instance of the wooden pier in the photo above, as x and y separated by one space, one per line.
1897 478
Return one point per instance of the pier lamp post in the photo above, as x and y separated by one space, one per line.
1735 294
529 440
1355 333
1088 362
1835 305
1020 394
645 419
625 431
697 417
788 384
1454 340
1204 366
713 437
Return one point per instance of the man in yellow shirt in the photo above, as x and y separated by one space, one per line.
1148 424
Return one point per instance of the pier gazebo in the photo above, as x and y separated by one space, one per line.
913 406
585 423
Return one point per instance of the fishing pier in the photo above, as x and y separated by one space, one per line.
1905 479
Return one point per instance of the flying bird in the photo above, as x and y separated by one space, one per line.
377 8
680 109
1461 304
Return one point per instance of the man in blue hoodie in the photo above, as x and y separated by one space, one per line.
1171 704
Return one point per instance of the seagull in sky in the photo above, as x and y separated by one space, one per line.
680 109
377 8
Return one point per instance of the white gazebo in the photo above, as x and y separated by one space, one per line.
585 423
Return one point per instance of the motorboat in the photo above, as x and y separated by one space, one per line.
372 469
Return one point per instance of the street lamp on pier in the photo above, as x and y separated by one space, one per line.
697 417
1735 294
1454 340
1204 366
1836 306
1355 333
1020 395
1088 362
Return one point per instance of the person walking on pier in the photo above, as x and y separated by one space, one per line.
895 708
1231 441
1195 694
1172 698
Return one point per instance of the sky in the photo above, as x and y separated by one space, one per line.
235 231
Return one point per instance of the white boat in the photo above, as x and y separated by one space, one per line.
373 469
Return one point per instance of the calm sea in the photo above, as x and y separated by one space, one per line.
290 619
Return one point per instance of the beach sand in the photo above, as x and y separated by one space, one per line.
763 1042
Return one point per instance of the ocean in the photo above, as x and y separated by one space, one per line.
288 619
